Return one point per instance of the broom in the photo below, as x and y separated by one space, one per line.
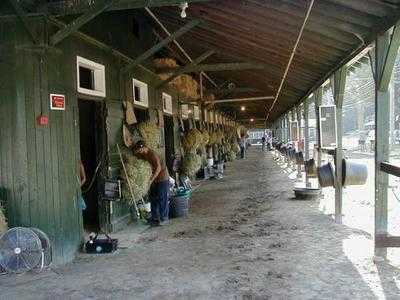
129 183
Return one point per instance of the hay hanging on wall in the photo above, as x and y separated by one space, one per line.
205 137
150 133
216 137
192 140
191 164
139 173
3 221
161 63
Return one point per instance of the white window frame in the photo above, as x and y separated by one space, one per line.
185 111
196 112
99 77
167 103
144 93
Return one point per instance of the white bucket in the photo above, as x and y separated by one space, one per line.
210 162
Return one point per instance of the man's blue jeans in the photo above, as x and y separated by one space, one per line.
159 201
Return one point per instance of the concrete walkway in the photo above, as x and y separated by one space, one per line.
246 238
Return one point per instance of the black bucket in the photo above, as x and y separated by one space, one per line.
180 206
326 175
299 158
310 168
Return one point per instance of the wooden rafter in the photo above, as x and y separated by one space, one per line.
161 44
215 67
22 17
61 8
181 71
80 21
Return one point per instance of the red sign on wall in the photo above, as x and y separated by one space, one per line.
57 102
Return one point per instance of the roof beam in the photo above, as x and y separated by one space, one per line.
241 99
62 8
291 57
22 17
157 20
80 21
215 67
160 45
181 71
390 59
233 90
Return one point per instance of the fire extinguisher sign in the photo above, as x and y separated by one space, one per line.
57 102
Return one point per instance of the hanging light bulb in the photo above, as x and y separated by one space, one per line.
251 120
183 6
243 108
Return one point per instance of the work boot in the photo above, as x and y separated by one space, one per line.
164 223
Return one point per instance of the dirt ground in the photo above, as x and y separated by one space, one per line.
246 238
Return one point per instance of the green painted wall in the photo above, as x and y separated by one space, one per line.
38 164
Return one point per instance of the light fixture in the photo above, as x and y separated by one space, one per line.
183 6
189 111
251 120
243 108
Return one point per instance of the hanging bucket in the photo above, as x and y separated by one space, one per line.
310 168
299 158
326 175
354 173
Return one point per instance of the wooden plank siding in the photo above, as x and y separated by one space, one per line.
38 164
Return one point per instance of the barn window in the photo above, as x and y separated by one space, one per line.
140 93
90 77
167 103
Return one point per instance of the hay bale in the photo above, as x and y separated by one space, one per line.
3 221
205 137
139 173
186 85
191 164
150 133
231 155
161 63
192 140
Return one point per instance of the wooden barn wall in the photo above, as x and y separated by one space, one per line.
38 164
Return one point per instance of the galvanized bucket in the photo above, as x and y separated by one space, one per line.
326 175
353 173
310 168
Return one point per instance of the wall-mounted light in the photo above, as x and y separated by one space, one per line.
183 6
243 108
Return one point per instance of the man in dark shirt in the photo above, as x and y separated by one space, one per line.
159 184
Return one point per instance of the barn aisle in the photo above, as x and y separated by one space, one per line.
245 239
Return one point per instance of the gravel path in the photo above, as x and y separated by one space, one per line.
246 238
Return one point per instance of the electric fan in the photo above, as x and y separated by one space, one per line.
20 250
46 249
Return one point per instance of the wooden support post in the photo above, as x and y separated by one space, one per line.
298 115
80 21
338 83
306 137
161 44
385 54
317 104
